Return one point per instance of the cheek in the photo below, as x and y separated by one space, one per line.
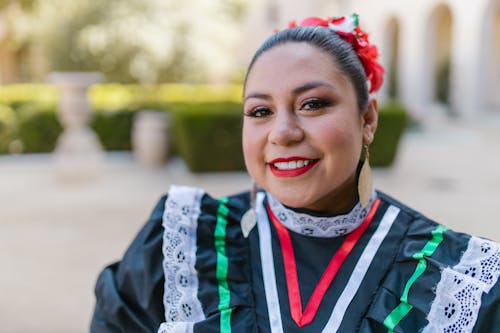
339 137
250 146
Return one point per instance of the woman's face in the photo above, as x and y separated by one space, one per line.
302 130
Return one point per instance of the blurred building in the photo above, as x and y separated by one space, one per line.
440 56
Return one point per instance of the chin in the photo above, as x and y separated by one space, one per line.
290 201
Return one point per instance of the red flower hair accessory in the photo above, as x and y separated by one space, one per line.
347 27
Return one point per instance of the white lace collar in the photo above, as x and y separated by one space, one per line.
320 226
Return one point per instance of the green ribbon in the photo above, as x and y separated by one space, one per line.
222 267
396 315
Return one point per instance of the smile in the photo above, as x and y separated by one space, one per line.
291 167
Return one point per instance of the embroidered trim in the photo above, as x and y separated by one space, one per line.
403 308
305 317
324 227
352 286
268 272
182 307
459 292
360 269
222 267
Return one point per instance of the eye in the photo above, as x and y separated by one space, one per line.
259 112
314 104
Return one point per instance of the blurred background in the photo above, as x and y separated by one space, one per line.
105 104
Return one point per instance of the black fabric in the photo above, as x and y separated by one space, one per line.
129 294
239 272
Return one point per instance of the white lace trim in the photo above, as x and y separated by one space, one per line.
182 307
481 261
323 227
458 293
176 327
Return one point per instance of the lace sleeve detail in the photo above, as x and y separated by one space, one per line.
481 262
182 306
458 293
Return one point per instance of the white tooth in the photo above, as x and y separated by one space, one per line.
280 165
291 165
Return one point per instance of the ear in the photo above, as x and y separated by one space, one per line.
370 121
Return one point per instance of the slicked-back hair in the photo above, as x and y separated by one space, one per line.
328 41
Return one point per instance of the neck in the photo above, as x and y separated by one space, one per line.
339 201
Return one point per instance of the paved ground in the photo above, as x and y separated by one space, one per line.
55 237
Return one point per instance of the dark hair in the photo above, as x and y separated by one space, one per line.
326 40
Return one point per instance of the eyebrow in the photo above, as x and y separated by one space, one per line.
297 91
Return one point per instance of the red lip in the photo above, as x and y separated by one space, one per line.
293 172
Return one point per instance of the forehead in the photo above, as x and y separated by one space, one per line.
292 63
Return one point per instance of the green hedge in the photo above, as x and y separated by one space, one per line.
392 121
8 128
37 128
114 128
28 128
38 131
112 96
208 135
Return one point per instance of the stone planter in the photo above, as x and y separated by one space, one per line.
78 154
150 138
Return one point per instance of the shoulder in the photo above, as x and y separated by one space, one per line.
453 275
129 292
194 206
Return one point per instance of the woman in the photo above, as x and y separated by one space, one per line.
316 249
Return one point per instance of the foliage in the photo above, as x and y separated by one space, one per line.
123 96
392 121
143 41
208 135
8 128
38 128
117 96
114 128
23 3
28 127
28 93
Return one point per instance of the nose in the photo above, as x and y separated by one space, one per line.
286 129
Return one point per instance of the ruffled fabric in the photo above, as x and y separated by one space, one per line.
130 293
320 226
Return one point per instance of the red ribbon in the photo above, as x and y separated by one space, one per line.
292 281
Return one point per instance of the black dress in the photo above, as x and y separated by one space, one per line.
191 269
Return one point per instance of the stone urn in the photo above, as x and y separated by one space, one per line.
78 154
150 138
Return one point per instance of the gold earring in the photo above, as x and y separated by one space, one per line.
365 185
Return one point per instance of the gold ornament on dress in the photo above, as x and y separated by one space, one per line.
249 219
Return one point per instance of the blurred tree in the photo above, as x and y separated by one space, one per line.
23 3
143 41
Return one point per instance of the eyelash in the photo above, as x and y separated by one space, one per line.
259 112
314 104
309 105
